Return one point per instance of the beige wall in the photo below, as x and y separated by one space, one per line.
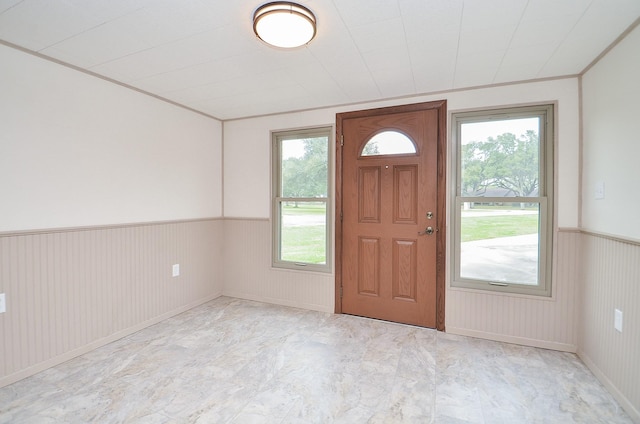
248 273
549 323
611 266
609 281
70 291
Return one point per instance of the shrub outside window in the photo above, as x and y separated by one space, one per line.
301 209
503 207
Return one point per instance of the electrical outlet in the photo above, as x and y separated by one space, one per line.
176 270
617 322
3 303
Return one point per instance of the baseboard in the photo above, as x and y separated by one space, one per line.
563 347
52 362
628 407
279 301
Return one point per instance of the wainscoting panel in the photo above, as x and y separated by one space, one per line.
611 280
69 291
530 320
248 273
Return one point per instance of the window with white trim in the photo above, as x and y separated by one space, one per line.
301 207
502 216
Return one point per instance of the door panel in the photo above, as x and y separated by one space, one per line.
405 267
369 266
369 194
388 267
405 194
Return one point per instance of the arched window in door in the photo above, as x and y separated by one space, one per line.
389 143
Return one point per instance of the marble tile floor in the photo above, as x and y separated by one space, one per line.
237 361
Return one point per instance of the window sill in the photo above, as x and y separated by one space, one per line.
303 270
539 297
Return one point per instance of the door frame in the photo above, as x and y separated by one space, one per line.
441 107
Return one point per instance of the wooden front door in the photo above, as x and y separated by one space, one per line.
390 203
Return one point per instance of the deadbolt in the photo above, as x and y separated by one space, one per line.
429 215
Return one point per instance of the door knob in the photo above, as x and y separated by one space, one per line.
427 231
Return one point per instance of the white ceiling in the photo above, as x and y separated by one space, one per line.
203 54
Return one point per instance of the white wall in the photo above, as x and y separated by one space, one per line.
611 265
76 150
247 163
247 195
611 110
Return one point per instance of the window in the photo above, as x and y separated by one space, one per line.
389 143
301 209
503 208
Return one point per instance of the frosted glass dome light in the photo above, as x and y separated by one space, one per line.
284 24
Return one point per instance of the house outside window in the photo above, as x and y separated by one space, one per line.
503 211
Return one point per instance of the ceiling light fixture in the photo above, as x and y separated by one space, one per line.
284 24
